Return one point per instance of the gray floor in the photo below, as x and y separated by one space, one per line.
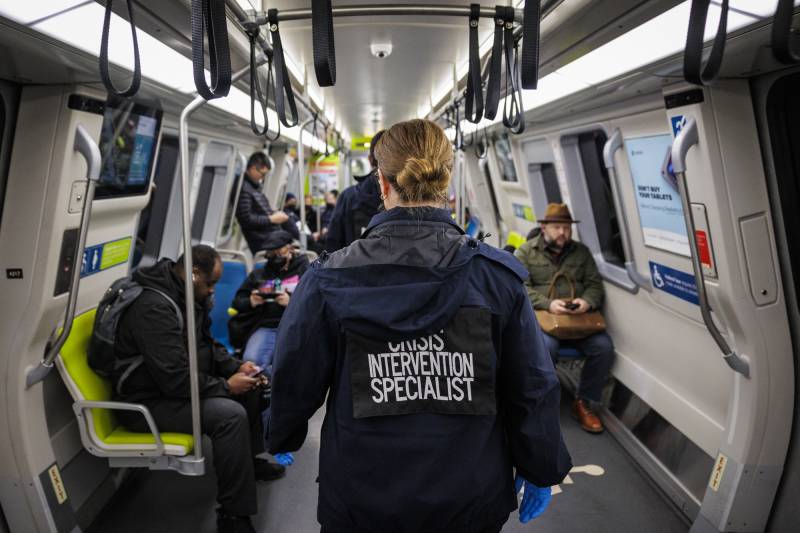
619 500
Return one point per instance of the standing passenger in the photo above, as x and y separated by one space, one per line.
553 251
437 379
230 407
355 206
253 212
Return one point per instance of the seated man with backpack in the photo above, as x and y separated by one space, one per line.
149 364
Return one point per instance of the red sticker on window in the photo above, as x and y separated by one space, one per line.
703 249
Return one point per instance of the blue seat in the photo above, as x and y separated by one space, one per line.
233 275
568 352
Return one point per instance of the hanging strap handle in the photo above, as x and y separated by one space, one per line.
322 37
513 114
481 154
785 42
493 88
208 19
255 92
693 53
551 290
136 82
531 28
473 106
284 93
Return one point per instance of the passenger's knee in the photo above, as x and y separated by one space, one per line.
228 413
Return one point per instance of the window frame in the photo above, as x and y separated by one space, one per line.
583 210
9 104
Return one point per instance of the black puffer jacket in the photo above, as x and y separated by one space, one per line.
150 327
355 207
253 212
267 315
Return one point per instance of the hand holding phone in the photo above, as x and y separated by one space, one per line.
572 306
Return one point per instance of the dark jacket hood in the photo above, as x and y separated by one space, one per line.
162 277
368 193
409 274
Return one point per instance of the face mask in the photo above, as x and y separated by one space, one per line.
276 262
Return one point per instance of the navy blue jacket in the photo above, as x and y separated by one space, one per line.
397 456
355 207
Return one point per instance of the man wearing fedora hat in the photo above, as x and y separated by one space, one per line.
554 251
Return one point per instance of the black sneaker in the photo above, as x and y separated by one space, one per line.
266 471
234 524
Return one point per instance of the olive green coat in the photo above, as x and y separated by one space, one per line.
576 261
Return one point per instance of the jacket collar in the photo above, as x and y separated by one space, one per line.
412 214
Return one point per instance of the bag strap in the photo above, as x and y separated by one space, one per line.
493 87
133 88
552 287
284 93
208 19
531 29
473 106
693 53
324 47
785 42
170 300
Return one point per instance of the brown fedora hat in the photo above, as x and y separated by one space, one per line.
558 213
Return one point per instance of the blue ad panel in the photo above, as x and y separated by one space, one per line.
675 282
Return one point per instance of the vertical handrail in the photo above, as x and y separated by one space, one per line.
301 177
87 147
614 144
191 333
685 139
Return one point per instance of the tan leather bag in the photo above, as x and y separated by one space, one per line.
569 327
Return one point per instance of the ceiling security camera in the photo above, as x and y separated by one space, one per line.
381 50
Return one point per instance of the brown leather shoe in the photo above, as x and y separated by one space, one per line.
586 417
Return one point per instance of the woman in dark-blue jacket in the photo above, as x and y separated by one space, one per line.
439 386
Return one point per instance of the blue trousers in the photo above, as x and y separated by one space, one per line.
598 349
260 348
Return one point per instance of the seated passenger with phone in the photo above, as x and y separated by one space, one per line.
566 291
262 299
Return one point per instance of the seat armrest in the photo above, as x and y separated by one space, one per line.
83 405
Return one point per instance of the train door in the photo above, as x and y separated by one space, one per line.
169 235
778 114
481 199
512 195
211 182
542 178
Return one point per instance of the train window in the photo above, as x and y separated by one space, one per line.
209 176
505 159
550 179
153 217
9 95
606 219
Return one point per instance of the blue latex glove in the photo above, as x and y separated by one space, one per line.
534 500
284 459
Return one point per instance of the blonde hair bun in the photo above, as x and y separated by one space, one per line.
423 173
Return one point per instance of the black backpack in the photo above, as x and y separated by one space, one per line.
102 357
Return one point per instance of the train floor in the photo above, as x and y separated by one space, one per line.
606 492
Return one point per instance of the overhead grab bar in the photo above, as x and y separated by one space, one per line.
613 144
87 147
685 139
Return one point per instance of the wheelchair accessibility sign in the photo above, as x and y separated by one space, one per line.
678 122
674 282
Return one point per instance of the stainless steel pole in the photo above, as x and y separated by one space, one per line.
301 173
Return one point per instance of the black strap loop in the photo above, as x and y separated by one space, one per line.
482 154
136 82
327 149
531 26
493 88
256 94
284 93
785 40
693 54
458 139
208 19
513 114
324 47
473 106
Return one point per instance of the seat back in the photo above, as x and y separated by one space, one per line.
83 383
233 275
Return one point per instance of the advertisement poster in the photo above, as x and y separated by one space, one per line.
660 210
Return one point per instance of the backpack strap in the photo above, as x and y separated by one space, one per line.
136 361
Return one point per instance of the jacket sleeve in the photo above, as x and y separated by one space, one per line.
335 238
245 215
538 299
529 398
593 291
241 301
162 347
302 368
225 363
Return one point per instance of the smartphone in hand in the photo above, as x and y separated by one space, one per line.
572 306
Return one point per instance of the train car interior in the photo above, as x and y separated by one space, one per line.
671 129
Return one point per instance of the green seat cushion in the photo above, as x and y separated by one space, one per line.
94 387
123 436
